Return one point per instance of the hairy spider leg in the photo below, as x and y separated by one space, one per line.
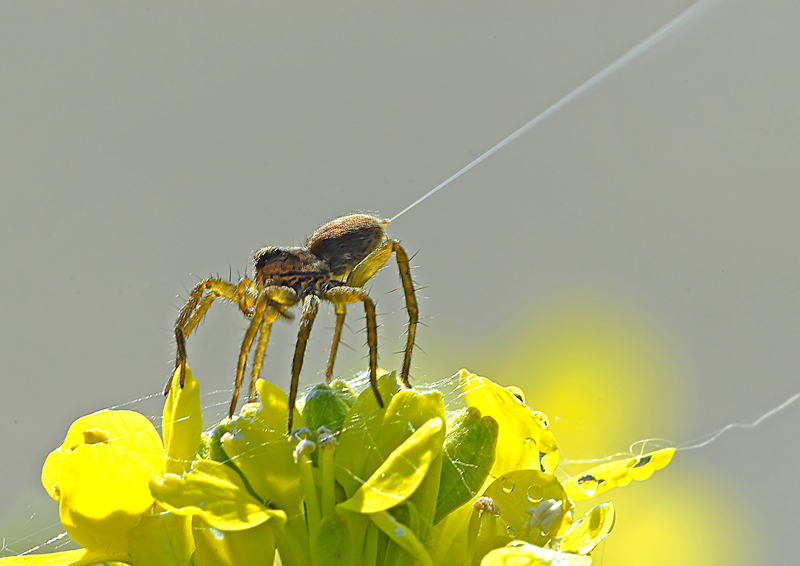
272 301
261 349
369 266
341 310
345 295
196 308
310 310
258 317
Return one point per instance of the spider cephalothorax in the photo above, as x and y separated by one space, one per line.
333 265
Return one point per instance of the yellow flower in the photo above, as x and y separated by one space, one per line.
398 485
100 478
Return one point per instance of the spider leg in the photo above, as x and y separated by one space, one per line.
262 304
341 310
245 293
345 295
279 298
310 309
261 348
196 308
369 266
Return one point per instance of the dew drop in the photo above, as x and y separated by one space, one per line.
516 392
535 493
511 531
542 418
508 486
588 484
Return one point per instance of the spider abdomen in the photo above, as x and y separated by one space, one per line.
344 242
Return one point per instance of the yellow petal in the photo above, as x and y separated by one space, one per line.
407 412
162 539
104 492
254 547
370 434
265 458
182 424
616 474
357 440
275 408
216 493
401 473
525 440
402 535
120 428
50 471
517 492
80 557
588 532
523 554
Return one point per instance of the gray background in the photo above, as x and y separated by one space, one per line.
146 145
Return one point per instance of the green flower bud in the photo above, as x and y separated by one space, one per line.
210 443
344 391
327 406
469 456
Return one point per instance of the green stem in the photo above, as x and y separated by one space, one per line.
310 492
371 546
358 528
328 481
291 554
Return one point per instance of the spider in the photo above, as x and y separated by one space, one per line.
333 265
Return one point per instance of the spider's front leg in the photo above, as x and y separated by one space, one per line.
196 308
271 303
369 266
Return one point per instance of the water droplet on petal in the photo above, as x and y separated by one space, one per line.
508 486
516 392
511 531
535 493
588 484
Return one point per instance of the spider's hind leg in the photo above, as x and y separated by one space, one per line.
345 295
369 266
341 310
